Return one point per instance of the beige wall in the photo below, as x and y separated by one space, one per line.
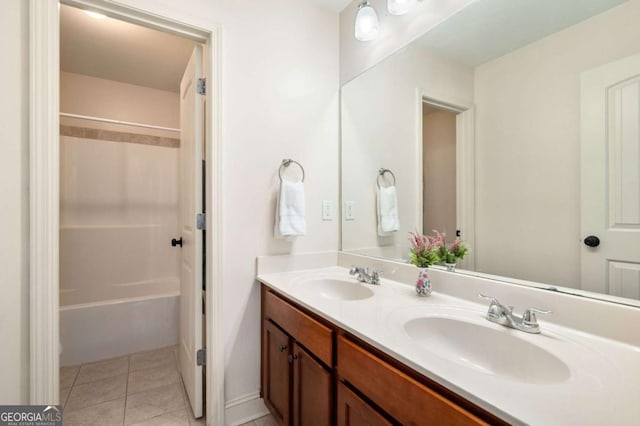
528 147
395 32
439 171
84 95
381 112
14 213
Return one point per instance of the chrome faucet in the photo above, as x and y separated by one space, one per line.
504 315
364 276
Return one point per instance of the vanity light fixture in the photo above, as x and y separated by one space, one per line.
366 27
400 7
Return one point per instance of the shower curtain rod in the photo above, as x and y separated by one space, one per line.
126 123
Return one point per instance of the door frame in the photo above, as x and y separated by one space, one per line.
44 193
465 165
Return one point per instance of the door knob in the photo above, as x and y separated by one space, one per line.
592 241
282 348
292 358
175 242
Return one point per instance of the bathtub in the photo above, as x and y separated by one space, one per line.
119 290
94 331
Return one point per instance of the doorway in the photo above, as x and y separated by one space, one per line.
446 146
439 170
45 191
131 144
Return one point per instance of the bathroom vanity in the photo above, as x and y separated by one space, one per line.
336 351
313 372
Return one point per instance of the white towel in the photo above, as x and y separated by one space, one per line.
388 221
290 221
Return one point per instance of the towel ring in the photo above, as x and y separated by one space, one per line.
382 172
286 163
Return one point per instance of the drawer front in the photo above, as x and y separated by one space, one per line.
405 399
310 333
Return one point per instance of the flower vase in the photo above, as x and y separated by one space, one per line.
423 284
451 267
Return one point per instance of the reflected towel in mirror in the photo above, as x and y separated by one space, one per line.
290 210
387 202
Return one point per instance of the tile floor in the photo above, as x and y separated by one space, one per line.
144 388
138 389
262 421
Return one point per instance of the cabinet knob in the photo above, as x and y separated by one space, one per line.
292 358
282 348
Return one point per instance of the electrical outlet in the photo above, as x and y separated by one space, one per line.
327 210
349 210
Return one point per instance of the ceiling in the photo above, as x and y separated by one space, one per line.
117 50
487 29
334 5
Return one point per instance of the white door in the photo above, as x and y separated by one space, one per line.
465 184
610 144
191 145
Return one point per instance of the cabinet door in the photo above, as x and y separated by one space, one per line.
311 390
276 372
353 411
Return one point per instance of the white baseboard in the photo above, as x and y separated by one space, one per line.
244 409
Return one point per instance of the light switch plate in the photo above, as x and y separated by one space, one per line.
327 210
349 210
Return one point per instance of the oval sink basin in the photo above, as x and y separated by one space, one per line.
488 350
336 289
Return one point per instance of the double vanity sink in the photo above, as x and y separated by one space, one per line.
462 336
559 376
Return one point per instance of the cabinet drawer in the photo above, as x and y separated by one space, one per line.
405 399
310 333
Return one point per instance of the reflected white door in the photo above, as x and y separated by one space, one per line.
610 144
191 143
465 184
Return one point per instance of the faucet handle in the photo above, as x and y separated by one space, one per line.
494 301
375 276
354 270
529 315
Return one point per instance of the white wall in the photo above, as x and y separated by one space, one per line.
395 32
381 114
528 147
279 100
14 213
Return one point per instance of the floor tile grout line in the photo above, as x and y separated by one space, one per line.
126 391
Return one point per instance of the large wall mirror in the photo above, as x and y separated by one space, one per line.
516 124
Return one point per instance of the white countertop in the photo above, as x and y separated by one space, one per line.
602 384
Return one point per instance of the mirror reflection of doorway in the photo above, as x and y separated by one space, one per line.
439 169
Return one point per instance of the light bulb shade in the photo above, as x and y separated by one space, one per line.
366 27
400 7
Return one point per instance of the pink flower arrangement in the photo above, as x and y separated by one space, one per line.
426 250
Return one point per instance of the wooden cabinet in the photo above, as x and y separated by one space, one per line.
297 354
316 374
353 411
276 378
312 402
403 397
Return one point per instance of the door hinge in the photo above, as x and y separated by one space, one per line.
201 221
201 357
201 88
